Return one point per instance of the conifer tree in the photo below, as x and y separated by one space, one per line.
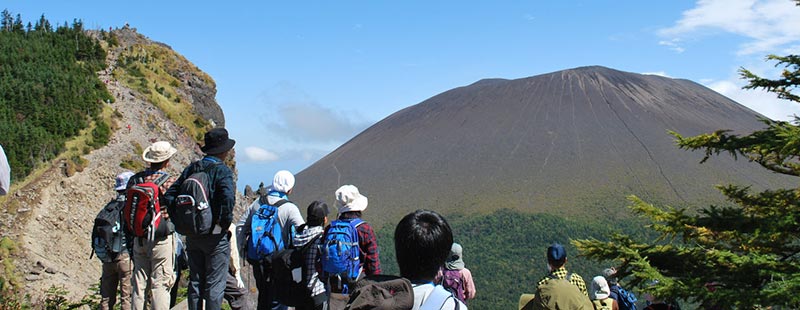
743 256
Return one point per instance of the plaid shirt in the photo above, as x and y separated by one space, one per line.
562 273
311 275
368 244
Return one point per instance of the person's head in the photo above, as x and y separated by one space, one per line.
611 275
317 214
217 143
121 181
422 242
349 199
283 182
455 260
600 289
158 154
556 256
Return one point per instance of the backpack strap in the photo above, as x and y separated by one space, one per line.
438 298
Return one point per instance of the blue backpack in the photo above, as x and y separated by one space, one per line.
340 251
625 299
266 236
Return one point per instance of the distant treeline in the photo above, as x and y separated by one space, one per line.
49 89
505 250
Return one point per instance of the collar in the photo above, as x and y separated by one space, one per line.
212 159
278 194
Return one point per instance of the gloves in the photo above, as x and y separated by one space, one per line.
239 281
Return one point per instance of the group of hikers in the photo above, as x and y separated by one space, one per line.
158 224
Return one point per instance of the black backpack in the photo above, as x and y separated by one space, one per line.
107 232
193 216
284 262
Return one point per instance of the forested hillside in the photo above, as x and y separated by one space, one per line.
505 250
49 90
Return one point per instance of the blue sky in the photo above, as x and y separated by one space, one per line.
296 79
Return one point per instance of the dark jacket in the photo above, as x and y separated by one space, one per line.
222 192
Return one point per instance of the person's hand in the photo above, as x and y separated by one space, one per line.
239 281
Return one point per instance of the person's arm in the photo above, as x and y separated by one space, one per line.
226 197
369 246
469 285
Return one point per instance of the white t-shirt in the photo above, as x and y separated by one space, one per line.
422 292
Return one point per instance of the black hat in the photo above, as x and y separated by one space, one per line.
317 211
556 253
216 141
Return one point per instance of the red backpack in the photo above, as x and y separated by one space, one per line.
142 210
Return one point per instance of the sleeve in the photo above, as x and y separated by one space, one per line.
225 196
5 173
234 264
369 246
469 285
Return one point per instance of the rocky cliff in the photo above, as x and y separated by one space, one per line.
159 95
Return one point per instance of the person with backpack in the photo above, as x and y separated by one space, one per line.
309 238
266 229
600 295
625 299
560 289
147 219
422 242
109 244
349 246
455 277
202 201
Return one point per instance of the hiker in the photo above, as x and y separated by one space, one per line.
311 231
600 295
5 173
262 211
209 251
560 289
114 254
422 242
337 273
626 300
153 253
455 277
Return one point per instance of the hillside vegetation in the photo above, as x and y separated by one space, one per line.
49 90
505 250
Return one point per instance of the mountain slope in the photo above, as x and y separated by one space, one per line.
567 143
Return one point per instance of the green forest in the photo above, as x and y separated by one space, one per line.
49 89
505 250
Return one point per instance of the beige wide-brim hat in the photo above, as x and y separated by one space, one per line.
349 199
158 152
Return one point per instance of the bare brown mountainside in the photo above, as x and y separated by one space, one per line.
572 142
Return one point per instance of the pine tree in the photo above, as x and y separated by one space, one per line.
746 255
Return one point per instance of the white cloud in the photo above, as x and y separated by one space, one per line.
673 45
310 122
659 73
769 24
761 101
257 154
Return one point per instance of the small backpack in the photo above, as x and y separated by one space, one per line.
107 233
603 304
378 292
453 282
266 236
142 211
285 263
340 251
193 214
625 299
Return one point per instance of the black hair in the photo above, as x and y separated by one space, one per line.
350 215
422 242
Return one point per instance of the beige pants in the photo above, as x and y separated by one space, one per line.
153 261
116 275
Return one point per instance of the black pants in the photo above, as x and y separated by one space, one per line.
266 292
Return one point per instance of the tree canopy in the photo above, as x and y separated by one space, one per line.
744 255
